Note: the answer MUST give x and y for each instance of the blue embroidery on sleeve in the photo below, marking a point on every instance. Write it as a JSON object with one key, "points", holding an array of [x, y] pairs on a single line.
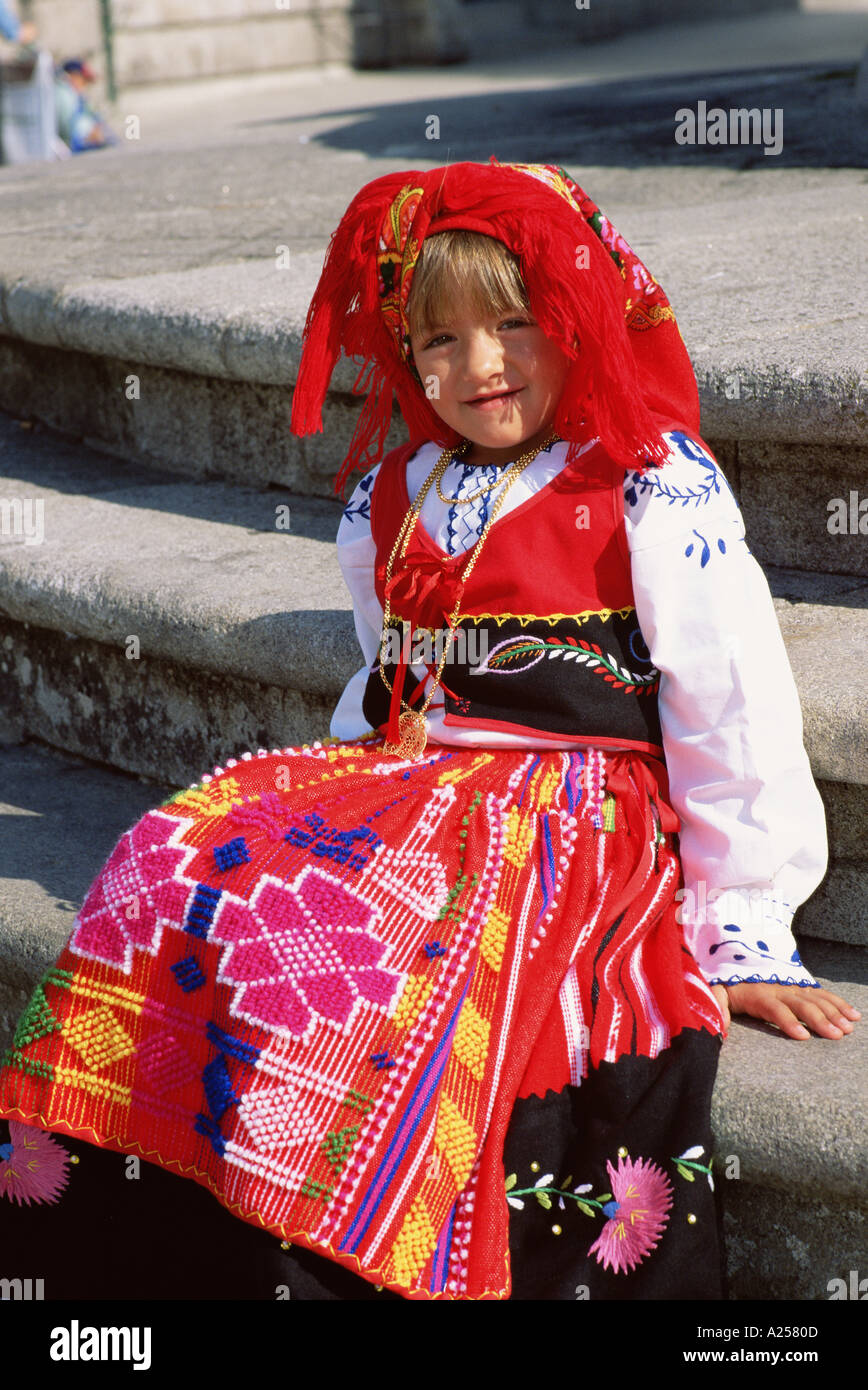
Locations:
{"points": [[705, 553], [362, 507], [655, 480], [658, 482]]}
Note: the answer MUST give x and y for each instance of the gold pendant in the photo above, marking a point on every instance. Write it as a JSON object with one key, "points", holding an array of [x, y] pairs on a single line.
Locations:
{"points": [[413, 736]]}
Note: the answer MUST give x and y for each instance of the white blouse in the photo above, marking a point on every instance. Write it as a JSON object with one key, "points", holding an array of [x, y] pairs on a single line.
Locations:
{"points": [[753, 830]]}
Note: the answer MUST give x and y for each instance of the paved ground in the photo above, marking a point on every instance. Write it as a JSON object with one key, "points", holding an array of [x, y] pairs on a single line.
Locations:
{"points": [[507, 57]]}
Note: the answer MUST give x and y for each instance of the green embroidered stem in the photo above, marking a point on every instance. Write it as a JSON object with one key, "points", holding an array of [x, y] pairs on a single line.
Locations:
{"points": [[558, 1192], [450, 908], [682, 1163]]}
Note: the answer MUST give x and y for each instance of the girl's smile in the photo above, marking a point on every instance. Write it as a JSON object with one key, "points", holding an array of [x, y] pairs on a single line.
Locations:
{"points": [[487, 402], [496, 380]]}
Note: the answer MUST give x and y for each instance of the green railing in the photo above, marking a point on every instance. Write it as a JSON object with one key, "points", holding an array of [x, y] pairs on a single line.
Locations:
{"points": [[107, 20]]}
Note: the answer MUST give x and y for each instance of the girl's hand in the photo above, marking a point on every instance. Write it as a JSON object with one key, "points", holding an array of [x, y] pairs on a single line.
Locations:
{"points": [[824, 1013]]}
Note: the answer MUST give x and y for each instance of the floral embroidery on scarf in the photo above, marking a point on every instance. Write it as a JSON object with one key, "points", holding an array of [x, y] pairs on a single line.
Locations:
{"points": [[637, 1214]]}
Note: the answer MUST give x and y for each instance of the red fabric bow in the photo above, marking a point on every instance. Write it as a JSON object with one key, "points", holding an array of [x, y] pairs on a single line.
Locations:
{"points": [[426, 590]]}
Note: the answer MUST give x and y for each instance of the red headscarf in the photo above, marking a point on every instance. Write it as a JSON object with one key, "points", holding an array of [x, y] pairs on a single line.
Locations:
{"points": [[630, 376]]}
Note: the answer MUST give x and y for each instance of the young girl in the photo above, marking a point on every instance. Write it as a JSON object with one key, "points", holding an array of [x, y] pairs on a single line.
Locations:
{"points": [[435, 1008]]}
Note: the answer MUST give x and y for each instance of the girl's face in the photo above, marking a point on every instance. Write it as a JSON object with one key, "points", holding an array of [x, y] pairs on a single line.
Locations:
{"points": [[496, 380]]}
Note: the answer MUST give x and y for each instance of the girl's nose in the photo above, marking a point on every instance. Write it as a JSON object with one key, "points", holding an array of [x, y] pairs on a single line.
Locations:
{"points": [[483, 354]]}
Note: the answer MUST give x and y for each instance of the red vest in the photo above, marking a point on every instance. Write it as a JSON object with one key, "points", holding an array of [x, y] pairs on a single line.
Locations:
{"points": [[562, 655]]}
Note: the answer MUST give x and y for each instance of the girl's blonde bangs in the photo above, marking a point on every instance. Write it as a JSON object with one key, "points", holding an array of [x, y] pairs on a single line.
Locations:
{"points": [[463, 267]]}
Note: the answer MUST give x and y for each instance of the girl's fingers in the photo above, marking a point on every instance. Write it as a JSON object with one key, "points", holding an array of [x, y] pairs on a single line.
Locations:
{"points": [[765, 1002], [848, 1010], [834, 1009], [795, 1010], [775, 1010], [814, 1016]]}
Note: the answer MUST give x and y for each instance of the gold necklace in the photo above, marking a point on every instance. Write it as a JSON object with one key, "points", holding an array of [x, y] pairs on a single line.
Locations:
{"points": [[412, 724], [471, 496]]}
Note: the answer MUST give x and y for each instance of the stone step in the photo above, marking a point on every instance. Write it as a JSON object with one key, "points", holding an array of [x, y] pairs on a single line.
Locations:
{"points": [[795, 1119], [190, 41], [590, 25], [62, 816], [165, 624], [160, 622], [211, 399], [190, 367], [789, 1118]]}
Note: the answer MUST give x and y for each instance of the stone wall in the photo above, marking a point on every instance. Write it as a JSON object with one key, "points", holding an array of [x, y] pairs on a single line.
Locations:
{"points": [[167, 41]]}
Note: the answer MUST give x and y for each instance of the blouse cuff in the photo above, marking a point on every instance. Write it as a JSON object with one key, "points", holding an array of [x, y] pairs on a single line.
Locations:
{"points": [[743, 936]]}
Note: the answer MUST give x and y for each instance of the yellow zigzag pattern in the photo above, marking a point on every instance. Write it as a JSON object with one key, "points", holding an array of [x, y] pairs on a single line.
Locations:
{"points": [[455, 1138], [519, 834], [215, 800], [98, 1037]]}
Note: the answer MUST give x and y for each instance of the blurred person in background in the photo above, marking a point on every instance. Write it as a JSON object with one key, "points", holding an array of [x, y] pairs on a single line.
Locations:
{"points": [[27, 120], [78, 125]]}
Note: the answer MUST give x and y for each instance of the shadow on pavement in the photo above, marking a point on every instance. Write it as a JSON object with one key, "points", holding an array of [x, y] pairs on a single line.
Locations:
{"points": [[630, 124]]}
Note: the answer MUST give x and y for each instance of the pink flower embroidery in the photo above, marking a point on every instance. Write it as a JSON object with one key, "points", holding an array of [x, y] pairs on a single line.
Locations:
{"points": [[637, 1214], [301, 949], [135, 895], [33, 1166]]}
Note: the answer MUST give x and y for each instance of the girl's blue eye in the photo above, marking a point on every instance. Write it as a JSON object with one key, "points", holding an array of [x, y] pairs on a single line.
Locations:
{"points": [[506, 323], [432, 342]]}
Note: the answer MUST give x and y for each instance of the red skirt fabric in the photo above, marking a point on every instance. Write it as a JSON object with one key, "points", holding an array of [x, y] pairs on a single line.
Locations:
{"points": [[319, 982]]}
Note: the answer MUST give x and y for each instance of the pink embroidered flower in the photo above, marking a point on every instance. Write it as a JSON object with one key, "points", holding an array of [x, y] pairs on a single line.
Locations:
{"points": [[135, 895], [642, 1195], [33, 1166], [301, 949]]}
